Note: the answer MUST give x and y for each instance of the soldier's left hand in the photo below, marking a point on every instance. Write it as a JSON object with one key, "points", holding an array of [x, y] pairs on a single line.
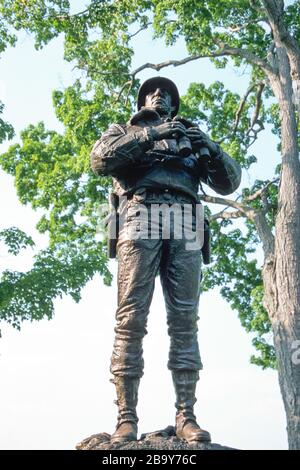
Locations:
{"points": [[200, 139]]}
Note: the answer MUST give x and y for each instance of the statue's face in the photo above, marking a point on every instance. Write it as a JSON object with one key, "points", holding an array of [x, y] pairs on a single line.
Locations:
{"points": [[159, 99]]}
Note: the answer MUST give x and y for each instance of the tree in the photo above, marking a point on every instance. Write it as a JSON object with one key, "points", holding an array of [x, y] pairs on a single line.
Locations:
{"points": [[52, 171], [13, 238]]}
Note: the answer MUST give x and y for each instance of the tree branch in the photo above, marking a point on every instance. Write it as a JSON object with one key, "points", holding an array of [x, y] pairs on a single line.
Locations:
{"points": [[240, 108], [258, 104], [68, 17], [129, 82], [225, 202], [254, 120], [252, 131], [236, 29], [223, 51], [142, 28], [255, 5], [227, 215], [275, 13], [261, 191], [167, 63], [257, 216]]}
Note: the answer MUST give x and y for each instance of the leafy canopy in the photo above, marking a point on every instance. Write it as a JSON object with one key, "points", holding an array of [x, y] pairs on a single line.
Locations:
{"points": [[51, 170]]}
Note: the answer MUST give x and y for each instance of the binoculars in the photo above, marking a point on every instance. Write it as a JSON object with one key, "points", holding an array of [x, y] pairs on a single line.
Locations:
{"points": [[185, 145]]}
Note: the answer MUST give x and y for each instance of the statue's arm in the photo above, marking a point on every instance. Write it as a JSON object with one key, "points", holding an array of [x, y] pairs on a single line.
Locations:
{"points": [[117, 149], [221, 173]]}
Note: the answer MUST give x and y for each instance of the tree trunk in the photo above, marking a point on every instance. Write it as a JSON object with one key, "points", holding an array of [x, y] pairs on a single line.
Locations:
{"points": [[281, 273]]}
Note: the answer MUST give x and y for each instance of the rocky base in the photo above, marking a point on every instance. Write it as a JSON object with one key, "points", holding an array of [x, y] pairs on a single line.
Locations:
{"points": [[164, 439]]}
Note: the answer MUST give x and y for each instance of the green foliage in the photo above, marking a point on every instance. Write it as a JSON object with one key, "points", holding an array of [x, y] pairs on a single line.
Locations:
{"points": [[6, 130], [55, 272], [15, 240], [260, 324], [6, 37], [215, 107], [38, 17], [52, 172], [204, 25]]}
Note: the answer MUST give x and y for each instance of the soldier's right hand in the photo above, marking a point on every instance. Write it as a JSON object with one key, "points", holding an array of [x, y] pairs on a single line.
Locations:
{"points": [[167, 130]]}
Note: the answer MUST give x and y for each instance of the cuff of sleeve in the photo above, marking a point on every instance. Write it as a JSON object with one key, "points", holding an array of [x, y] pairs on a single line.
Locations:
{"points": [[217, 158]]}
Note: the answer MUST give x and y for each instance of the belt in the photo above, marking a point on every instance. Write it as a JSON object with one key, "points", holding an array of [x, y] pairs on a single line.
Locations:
{"points": [[167, 194]]}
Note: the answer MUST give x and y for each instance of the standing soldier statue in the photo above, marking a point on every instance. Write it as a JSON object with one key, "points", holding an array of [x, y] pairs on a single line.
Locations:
{"points": [[159, 158]]}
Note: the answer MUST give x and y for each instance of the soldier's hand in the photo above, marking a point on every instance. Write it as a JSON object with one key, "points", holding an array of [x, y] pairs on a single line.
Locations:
{"points": [[168, 130], [200, 139]]}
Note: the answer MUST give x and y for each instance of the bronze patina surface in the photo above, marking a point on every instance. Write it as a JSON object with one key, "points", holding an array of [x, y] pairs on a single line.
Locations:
{"points": [[159, 158]]}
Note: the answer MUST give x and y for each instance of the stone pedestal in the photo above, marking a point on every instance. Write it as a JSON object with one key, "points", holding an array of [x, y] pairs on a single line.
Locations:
{"points": [[164, 439]]}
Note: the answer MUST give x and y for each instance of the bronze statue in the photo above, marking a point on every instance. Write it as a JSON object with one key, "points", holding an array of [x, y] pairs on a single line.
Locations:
{"points": [[159, 158]]}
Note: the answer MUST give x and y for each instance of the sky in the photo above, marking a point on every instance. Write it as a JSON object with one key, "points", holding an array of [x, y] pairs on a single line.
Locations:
{"points": [[55, 388]]}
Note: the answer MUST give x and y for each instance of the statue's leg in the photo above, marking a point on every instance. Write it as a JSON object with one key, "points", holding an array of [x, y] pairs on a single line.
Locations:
{"points": [[138, 264], [181, 277], [180, 273]]}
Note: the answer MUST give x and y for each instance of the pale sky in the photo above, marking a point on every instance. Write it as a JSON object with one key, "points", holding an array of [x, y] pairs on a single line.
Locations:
{"points": [[55, 387]]}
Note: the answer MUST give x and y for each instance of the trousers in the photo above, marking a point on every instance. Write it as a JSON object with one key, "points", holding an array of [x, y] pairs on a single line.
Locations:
{"points": [[139, 261]]}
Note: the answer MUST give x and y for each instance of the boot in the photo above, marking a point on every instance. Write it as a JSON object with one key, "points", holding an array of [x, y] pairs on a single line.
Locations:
{"points": [[127, 396], [186, 425]]}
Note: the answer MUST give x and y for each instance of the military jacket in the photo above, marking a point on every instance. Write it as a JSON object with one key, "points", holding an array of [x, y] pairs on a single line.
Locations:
{"points": [[128, 153]]}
